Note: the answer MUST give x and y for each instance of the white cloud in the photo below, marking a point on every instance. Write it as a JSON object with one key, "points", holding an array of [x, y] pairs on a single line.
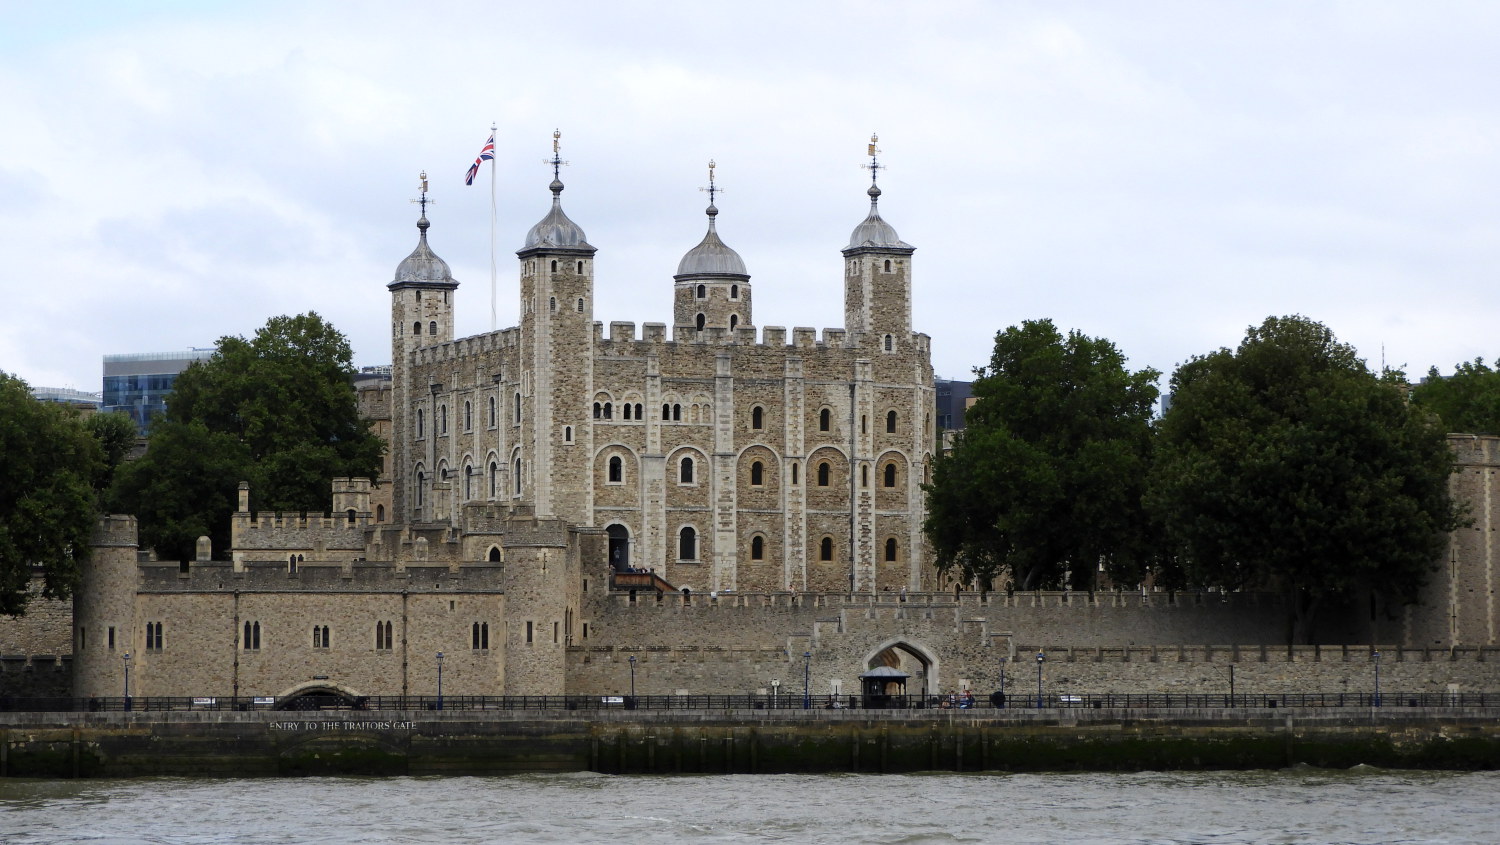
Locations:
{"points": [[1162, 174]]}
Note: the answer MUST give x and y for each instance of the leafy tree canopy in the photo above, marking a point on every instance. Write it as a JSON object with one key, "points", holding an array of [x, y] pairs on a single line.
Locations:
{"points": [[1467, 401], [1045, 480], [277, 410], [1286, 464], [48, 465]]}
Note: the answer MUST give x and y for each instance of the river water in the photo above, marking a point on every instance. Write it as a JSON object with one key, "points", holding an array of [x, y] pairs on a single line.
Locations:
{"points": [[1303, 806]]}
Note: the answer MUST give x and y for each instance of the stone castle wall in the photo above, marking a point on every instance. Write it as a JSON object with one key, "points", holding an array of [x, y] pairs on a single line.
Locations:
{"points": [[1253, 670]]}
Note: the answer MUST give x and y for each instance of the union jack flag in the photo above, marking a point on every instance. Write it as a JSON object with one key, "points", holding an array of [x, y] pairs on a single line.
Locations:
{"points": [[486, 154]]}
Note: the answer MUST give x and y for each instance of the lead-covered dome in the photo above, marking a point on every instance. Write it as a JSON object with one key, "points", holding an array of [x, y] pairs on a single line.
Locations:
{"points": [[711, 257], [556, 231], [423, 265], [874, 232]]}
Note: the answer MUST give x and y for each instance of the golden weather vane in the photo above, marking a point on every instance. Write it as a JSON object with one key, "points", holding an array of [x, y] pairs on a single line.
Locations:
{"points": [[873, 152], [711, 189], [424, 201], [556, 160]]}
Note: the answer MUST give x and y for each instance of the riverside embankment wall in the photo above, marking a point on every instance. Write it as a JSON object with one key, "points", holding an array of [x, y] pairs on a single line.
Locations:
{"points": [[265, 743]]}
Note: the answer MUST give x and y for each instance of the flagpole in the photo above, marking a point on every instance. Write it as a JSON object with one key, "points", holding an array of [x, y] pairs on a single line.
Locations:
{"points": [[492, 235]]}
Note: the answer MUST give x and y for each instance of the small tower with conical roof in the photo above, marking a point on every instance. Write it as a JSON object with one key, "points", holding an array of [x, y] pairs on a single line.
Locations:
{"points": [[422, 295], [712, 288], [557, 324], [877, 275]]}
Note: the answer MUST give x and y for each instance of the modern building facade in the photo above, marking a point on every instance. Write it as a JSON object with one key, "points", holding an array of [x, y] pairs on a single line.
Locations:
{"points": [[138, 383]]}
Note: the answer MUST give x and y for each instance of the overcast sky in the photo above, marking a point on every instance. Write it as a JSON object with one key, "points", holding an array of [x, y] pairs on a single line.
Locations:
{"points": [[1160, 174]]}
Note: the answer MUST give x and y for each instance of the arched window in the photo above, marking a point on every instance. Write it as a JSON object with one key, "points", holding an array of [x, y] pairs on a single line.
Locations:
{"points": [[825, 419], [702, 293], [825, 549], [616, 469], [888, 265], [890, 343], [676, 413], [552, 304], [625, 410], [567, 434], [823, 470], [700, 322], [580, 302], [757, 548], [734, 291], [419, 422], [609, 410], [468, 482], [492, 412], [734, 320], [640, 411], [890, 475], [494, 554], [494, 478], [890, 549], [380, 513], [687, 544], [580, 267], [350, 514], [468, 415], [416, 329], [757, 418], [685, 473], [757, 474], [518, 476], [442, 419], [666, 412], [598, 410], [432, 327], [518, 408], [890, 422], [554, 266], [421, 485]]}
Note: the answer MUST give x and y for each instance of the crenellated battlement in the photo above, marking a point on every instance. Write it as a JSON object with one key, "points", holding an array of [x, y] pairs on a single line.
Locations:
{"points": [[622, 340], [968, 601], [464, 347], [320, 577], [114, 530]]}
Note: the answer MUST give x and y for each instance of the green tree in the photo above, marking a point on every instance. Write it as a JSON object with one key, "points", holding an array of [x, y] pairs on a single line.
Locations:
{"points": [[1467, 401], [1045, 481], [1286, 464], [48, 464], [115, 433], [277, 410]]}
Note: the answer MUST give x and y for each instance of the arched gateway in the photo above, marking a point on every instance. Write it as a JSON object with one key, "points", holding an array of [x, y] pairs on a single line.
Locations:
{"points": [[916, 661], [320, 695]]}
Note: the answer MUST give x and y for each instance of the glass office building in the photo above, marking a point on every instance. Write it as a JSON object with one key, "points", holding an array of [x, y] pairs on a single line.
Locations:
{"points": [[67, 396], [138, 383]]}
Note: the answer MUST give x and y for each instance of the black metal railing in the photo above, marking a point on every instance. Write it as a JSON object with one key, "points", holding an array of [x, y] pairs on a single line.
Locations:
{"points": [[1012, 701]]}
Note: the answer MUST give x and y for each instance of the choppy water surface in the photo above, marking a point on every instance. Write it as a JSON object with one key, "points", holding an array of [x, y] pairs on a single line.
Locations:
{"points": [[1359, 807]]}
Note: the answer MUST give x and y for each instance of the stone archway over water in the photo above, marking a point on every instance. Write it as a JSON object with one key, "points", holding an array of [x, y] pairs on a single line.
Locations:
{"points": [[319, 695]]}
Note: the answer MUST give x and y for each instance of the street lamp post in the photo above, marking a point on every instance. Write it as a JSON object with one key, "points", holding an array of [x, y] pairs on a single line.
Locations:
{"points": [[775, 693], [126, 658], [1377, 679], [1001, 702], [1040, 659], [806, 680], [632, 680], [440, 681]]}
